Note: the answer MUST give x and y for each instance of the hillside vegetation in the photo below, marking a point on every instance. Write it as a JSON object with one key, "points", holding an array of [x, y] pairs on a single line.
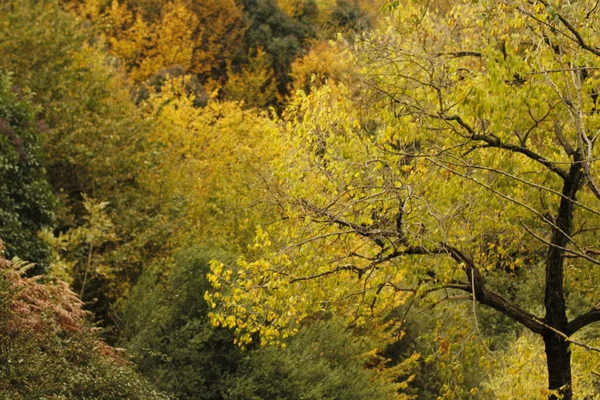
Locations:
{"points": [[299, 199]]}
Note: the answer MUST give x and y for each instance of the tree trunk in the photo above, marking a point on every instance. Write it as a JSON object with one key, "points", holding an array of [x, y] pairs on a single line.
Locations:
{"points": [[558, 359]]}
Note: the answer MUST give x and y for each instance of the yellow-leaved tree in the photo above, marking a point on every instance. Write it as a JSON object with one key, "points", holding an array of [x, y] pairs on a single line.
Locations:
{"points": [[462, 155], [200, 37], [146, 48], [255, 84], [209, 165]]}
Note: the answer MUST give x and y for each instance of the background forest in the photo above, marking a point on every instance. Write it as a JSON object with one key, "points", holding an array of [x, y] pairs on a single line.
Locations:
{"points": [[299, 199]]}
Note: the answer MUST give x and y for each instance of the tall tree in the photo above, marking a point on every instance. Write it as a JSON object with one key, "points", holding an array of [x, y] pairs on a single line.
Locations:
{"points": [[466, 156]]}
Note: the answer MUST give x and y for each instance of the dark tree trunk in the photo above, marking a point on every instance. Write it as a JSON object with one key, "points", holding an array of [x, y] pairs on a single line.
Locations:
{"points": [[558, 359]]}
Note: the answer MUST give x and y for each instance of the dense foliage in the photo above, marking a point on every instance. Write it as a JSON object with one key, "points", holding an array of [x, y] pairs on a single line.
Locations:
{"points": [[48, 350], [459, 153], [286, 199], [26, 201], [176, 347]]}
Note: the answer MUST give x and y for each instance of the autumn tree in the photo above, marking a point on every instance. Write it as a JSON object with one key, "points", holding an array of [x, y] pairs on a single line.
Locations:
{"points": [[255, 84], [461, 155], [200, 37], [90, 122], [208, 167], [94, 142]]}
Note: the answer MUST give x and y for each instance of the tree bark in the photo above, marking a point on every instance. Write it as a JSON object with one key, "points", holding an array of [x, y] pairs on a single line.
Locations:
{"points": [[558, 356], [558, 359]]}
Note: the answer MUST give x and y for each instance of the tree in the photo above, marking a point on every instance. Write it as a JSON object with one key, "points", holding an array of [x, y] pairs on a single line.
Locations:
{"points": [[255, 84], [76, 257], [208, 167], [462, 155], [26, 200], [93, 129], [282, 37], [146, 47], [200, 37]]}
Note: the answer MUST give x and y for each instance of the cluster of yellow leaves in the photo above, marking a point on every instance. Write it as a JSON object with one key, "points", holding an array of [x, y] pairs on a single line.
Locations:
{"points": [[324, 61], [147, 48], [255, 85], [211, 163], [199, 37]]}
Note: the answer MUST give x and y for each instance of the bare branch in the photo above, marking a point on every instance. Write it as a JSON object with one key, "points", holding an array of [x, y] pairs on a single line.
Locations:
{"points": [[561, 70], [459, 163], [581, 254], [568, 339], [457, 54], [544, 218], [348, 267]]}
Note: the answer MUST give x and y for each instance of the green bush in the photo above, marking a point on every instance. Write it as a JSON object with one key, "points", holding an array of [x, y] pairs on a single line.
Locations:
{"points": [[168, 331], [26, 201], [321, 362]]}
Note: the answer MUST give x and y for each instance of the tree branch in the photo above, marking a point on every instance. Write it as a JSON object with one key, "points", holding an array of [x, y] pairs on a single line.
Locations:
{"points": [[492, 299], [578, 38], [583, 320], [458, 54], [492, 141]]}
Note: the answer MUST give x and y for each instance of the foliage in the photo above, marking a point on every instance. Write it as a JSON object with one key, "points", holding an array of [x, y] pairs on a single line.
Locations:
{"points": [[168, 331], [48, 350], [432, 183], [321, 362], [209, 167], [466, 158], [95, 142], [282, 37], [200, 37], [147, 48], [94, 133], [26, 201], [348, 14], [522, 371], [454, 357], [323, 62], [255, 84], [76, 255], [176, 347]]}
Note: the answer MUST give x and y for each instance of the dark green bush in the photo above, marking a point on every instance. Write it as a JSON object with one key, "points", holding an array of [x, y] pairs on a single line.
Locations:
{"points": [[26, 201]]}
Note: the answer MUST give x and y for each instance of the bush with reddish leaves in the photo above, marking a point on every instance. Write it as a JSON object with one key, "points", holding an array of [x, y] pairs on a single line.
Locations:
{"points": [[49, 350]]}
